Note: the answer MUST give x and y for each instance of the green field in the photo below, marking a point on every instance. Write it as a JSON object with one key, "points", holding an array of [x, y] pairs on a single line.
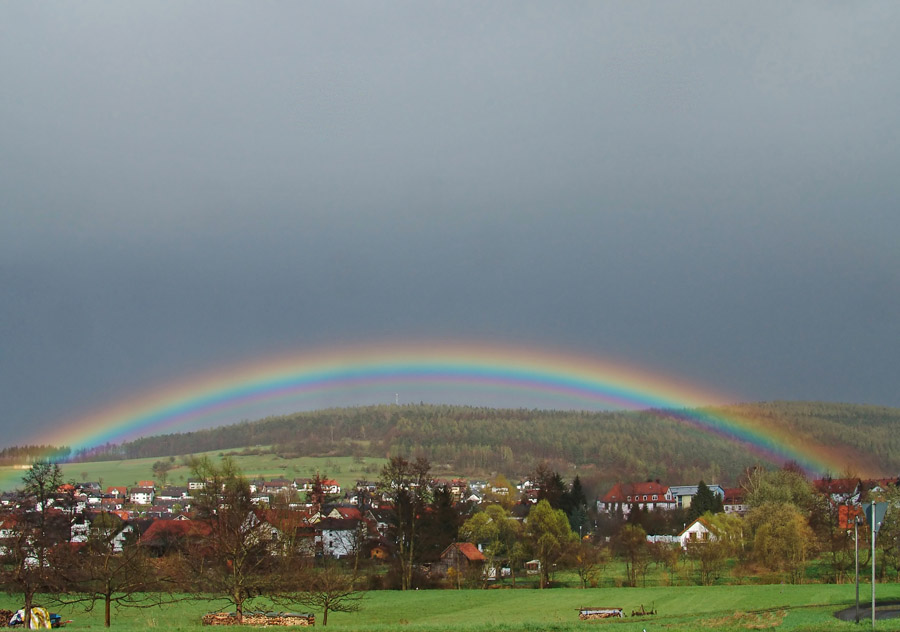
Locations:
{"points": [[782, 607], [345, 470]]}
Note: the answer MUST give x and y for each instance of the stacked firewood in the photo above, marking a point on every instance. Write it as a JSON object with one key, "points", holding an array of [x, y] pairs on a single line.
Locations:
{"points": [[259, 618], [586, 614], [5, 616]]}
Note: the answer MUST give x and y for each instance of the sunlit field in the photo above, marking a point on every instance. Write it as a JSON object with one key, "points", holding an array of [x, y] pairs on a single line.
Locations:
{"points": [[346, 470], [781, 607]]}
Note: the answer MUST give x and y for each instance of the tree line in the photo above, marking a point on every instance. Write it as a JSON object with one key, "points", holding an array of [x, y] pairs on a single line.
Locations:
{"points": [[624, 445]]}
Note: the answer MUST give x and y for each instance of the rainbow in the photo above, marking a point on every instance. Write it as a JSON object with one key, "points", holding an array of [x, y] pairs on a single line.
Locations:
{"points": [[377, 373]]}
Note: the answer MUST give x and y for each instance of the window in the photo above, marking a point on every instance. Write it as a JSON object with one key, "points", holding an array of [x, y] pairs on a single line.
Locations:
{"points": [[645, 496], [655, 497]]}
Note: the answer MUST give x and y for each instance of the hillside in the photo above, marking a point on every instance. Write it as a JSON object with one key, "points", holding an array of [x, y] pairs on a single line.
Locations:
{"points": [[601, 446]]}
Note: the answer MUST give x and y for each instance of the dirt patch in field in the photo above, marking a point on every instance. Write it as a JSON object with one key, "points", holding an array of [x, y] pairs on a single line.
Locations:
{"points": [[747, 620]]}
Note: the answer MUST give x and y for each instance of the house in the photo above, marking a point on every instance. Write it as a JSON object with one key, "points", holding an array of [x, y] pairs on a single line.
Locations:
{"points": [[461, 558], [840, 491], [345, 513], [684, 494], [382, 518], [341, 537], [141, 495], [117, 492], [734, 501], [698, 531], [173, 493], [646, 496], [111, 504], [166, 536], [876, 489]]}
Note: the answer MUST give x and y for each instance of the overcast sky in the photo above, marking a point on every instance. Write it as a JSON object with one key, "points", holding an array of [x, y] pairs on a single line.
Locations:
{"points": [[709, 190]]}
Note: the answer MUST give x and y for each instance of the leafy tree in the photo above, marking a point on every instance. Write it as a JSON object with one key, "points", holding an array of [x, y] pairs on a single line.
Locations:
{"points": [[670, 555], [782, 538], [589, 561], [161, 471], [550, 536], [574, 503], [779, 486], [832, 521], [550, 484], [500, 482], [725, 541], [705, 501], [500, 536], [631, 545]]}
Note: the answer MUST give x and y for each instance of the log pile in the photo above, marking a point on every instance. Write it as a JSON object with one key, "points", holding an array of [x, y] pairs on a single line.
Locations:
{"points": [[586, 614], [5, 616], [259, 618]]}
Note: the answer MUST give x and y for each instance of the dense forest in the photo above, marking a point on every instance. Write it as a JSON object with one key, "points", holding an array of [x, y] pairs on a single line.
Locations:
{"points": [[17, 454], [603, 446]]}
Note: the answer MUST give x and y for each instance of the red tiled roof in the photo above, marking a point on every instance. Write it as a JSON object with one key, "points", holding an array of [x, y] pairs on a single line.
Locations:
{"points": [[167, 530], [734, 496], [837, 485], [621, 491], [350, 512], [468, 549]]}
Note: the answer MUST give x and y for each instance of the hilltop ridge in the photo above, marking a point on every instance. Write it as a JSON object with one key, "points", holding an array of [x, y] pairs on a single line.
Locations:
{"points": [[604, 446]]}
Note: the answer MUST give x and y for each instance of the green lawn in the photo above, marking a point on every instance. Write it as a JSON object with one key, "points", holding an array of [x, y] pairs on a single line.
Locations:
{"points": [[796, 608], [345, 469]]}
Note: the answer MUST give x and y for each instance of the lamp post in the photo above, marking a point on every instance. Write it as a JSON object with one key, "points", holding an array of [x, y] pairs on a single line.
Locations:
{"points": [[856, 522], [875, 514]]}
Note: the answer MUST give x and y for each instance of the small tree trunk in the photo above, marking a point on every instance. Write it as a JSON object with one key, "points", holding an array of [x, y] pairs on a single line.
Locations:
{"points": [[28, 604], [106, 618]]}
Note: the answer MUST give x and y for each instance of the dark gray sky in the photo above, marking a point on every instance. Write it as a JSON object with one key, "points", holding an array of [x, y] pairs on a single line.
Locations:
{"points": [[707, 189]]}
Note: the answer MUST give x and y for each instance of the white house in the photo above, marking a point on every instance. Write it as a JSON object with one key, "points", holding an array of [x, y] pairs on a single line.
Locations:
{"points": [[698, 531], [340, 536], [141, 495]]}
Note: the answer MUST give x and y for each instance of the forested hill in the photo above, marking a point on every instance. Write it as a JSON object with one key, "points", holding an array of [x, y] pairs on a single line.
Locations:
{"points": [[616, 445]]}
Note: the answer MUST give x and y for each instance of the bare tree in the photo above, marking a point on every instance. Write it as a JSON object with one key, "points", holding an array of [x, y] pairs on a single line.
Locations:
{"points": [[408, 485], [234, 563], [103, 570], [329, 589], [32, 531]]}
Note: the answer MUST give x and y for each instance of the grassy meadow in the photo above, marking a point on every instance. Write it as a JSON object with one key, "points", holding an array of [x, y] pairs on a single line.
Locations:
{"points": [[774, 607], [345, 469]]}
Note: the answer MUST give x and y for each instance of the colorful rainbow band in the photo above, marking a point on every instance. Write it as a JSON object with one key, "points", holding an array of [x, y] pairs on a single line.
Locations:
{"points": [[373, 374]]}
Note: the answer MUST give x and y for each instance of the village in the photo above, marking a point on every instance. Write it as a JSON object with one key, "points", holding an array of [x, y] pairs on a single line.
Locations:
{"points": [[332, 522]]}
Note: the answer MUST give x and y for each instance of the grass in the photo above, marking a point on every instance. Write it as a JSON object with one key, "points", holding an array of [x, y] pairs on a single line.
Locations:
{"points": [[689, 608], [345, 469]]}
